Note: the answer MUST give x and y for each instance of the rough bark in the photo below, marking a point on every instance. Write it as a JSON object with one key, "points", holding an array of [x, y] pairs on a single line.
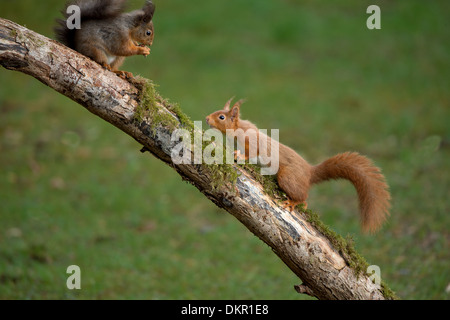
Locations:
{"points": [[325, 272]]}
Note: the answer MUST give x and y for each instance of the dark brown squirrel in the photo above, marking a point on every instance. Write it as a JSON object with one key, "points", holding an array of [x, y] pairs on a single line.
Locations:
{"points": [[295, 175], [107, 34]]}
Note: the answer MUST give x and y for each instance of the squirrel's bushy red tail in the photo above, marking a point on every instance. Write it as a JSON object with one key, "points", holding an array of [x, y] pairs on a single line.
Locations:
{"points": [[89, 10], [368, 180]]}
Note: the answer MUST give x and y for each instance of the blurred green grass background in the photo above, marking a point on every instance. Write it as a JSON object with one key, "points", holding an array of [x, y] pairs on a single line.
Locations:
{"points": [[75, 190]]}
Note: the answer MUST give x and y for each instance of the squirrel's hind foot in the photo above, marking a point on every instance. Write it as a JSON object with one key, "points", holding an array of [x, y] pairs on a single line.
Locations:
{"points": [[106, 66], [291, 204], [124, 74]]}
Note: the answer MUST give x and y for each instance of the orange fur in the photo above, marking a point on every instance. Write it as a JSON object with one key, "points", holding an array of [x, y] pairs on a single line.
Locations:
{"points": [[296, 176]]}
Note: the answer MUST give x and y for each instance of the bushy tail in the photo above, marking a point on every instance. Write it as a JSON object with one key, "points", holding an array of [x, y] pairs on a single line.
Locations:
{"points": [[368, 180], [89, 10]]}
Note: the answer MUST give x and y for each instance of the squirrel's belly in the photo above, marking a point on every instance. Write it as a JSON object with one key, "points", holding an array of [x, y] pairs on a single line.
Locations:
{"points": [[111, 58]]}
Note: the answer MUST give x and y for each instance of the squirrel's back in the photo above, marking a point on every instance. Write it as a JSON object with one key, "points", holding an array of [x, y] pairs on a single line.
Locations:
{"points": [[89, 10]]}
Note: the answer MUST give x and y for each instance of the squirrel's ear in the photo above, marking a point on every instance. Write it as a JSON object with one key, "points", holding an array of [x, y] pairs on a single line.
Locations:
{"points": [[149, 10], [228, 104], [239, 103], [236, 108], [234, 113]]}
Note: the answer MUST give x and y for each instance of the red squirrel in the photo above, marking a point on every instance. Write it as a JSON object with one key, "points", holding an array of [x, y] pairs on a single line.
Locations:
{"points": [[295, 175], [107, 35]]}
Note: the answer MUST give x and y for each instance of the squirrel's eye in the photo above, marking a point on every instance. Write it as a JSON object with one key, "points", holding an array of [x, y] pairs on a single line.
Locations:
{"points": [[222, 117], [149, 33]]}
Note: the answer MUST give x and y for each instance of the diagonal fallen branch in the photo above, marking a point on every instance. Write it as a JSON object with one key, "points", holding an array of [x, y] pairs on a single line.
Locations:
{"points": [[327, 265]]}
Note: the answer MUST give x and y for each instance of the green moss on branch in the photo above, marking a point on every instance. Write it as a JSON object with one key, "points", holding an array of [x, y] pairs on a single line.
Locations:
{"points": [[152, 107]]}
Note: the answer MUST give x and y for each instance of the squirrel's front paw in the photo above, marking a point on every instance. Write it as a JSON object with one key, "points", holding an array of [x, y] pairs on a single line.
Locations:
{"points": [[145, 51]]}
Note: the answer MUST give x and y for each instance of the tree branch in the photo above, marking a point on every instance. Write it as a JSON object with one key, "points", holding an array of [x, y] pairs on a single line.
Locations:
{"points": [[302, 289], [325, 267]]}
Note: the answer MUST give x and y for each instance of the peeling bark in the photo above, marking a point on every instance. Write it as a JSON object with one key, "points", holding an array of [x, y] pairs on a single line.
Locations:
{"points": [[325, 273]]}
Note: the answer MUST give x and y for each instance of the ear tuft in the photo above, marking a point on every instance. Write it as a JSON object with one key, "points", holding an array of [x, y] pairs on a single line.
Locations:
{"points": [[239, 103], [228, 104], [149, 10]]}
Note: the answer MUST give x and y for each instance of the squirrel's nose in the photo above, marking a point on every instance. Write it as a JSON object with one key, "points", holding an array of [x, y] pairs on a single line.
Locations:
{"points": [[207, 119]]}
